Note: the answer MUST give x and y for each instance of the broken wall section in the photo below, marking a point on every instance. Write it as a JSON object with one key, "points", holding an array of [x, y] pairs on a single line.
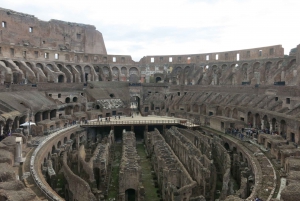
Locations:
{"points": [[173, 179]]}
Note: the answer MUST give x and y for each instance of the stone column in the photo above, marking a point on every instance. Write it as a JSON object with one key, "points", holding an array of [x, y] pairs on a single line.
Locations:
{"points": [[254, 121], [262, 124], [41, 116], [18, 157], [271, 126], [1, 129]]}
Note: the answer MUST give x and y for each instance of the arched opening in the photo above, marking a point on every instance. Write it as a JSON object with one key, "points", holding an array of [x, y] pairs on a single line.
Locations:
{"points": [[227, 112], [266, 122], [87, 73], [124, 71], [61, 79], [72, 136], [79, 69], [274, 124], [130, 195], [68, 100], [75, 99], [58, 144], [203, 109], [67, 194], [158, 79], [283, 128], [76, 108], [115, 74], [227, 147], [97, 177], [235, 113], [65, 140], [257, 121], [219, 111], [53, 149], [45, 115], [250, 119], [52, 114], [106, 72]]}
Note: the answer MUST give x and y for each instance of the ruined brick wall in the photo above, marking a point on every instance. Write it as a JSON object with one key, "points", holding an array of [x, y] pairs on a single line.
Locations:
{"points": [[28, 31], [130, 170], [173, 179], [77, 186], [223, 163], [86, 168], [198, 165]]}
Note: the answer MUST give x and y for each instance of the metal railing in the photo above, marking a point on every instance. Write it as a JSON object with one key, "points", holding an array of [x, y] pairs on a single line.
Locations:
{"points": [[135, 122], [34, 173]]}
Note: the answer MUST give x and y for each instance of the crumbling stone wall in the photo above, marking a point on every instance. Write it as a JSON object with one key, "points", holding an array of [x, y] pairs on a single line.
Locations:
{"points": [[199, 166], [80, 189], [130, 170], [174, 180]]}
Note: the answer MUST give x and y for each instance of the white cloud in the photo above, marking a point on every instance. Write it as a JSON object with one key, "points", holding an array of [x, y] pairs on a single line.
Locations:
{"points": [[241, 24]]}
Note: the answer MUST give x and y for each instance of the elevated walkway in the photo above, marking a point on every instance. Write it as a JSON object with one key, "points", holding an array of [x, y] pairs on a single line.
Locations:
{"points": [[139, 120]]}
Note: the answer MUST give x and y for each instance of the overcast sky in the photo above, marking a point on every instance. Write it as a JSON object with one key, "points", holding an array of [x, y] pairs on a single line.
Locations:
{"points": [[163, 27]]}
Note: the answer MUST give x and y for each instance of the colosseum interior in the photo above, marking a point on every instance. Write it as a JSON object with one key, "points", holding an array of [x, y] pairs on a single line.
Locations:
{"points": [[78, 124]]}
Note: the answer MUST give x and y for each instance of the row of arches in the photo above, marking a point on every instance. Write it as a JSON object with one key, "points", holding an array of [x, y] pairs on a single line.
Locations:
{"points": [[17, 72], [259, 72]]}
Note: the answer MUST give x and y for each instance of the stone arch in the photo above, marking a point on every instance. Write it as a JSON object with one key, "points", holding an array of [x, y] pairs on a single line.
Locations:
{"points": [[279, 64], [291, 63], [227, 112], [274, 124], [107, 73], [124, 71], [61, 79], [158, 79], [65, 140], [235, 113], [267, 71], [67, 72], [250, 118], [186, 79], [68, 100], [133, 70], [219, 110], [115, 73], [257, 121], [283, 128], [226, 145], [79, 69], [72, 136], [76, 108], [131, 194], [203, 109], [53, 149], [50, 67], [224, 66], [99, 72], [87, 73], [245, 75], [266, 122], [175, 77]]}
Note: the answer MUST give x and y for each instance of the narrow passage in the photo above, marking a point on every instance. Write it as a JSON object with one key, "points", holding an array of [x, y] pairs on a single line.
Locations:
{"points": [[113, 189], [147, 178]]}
